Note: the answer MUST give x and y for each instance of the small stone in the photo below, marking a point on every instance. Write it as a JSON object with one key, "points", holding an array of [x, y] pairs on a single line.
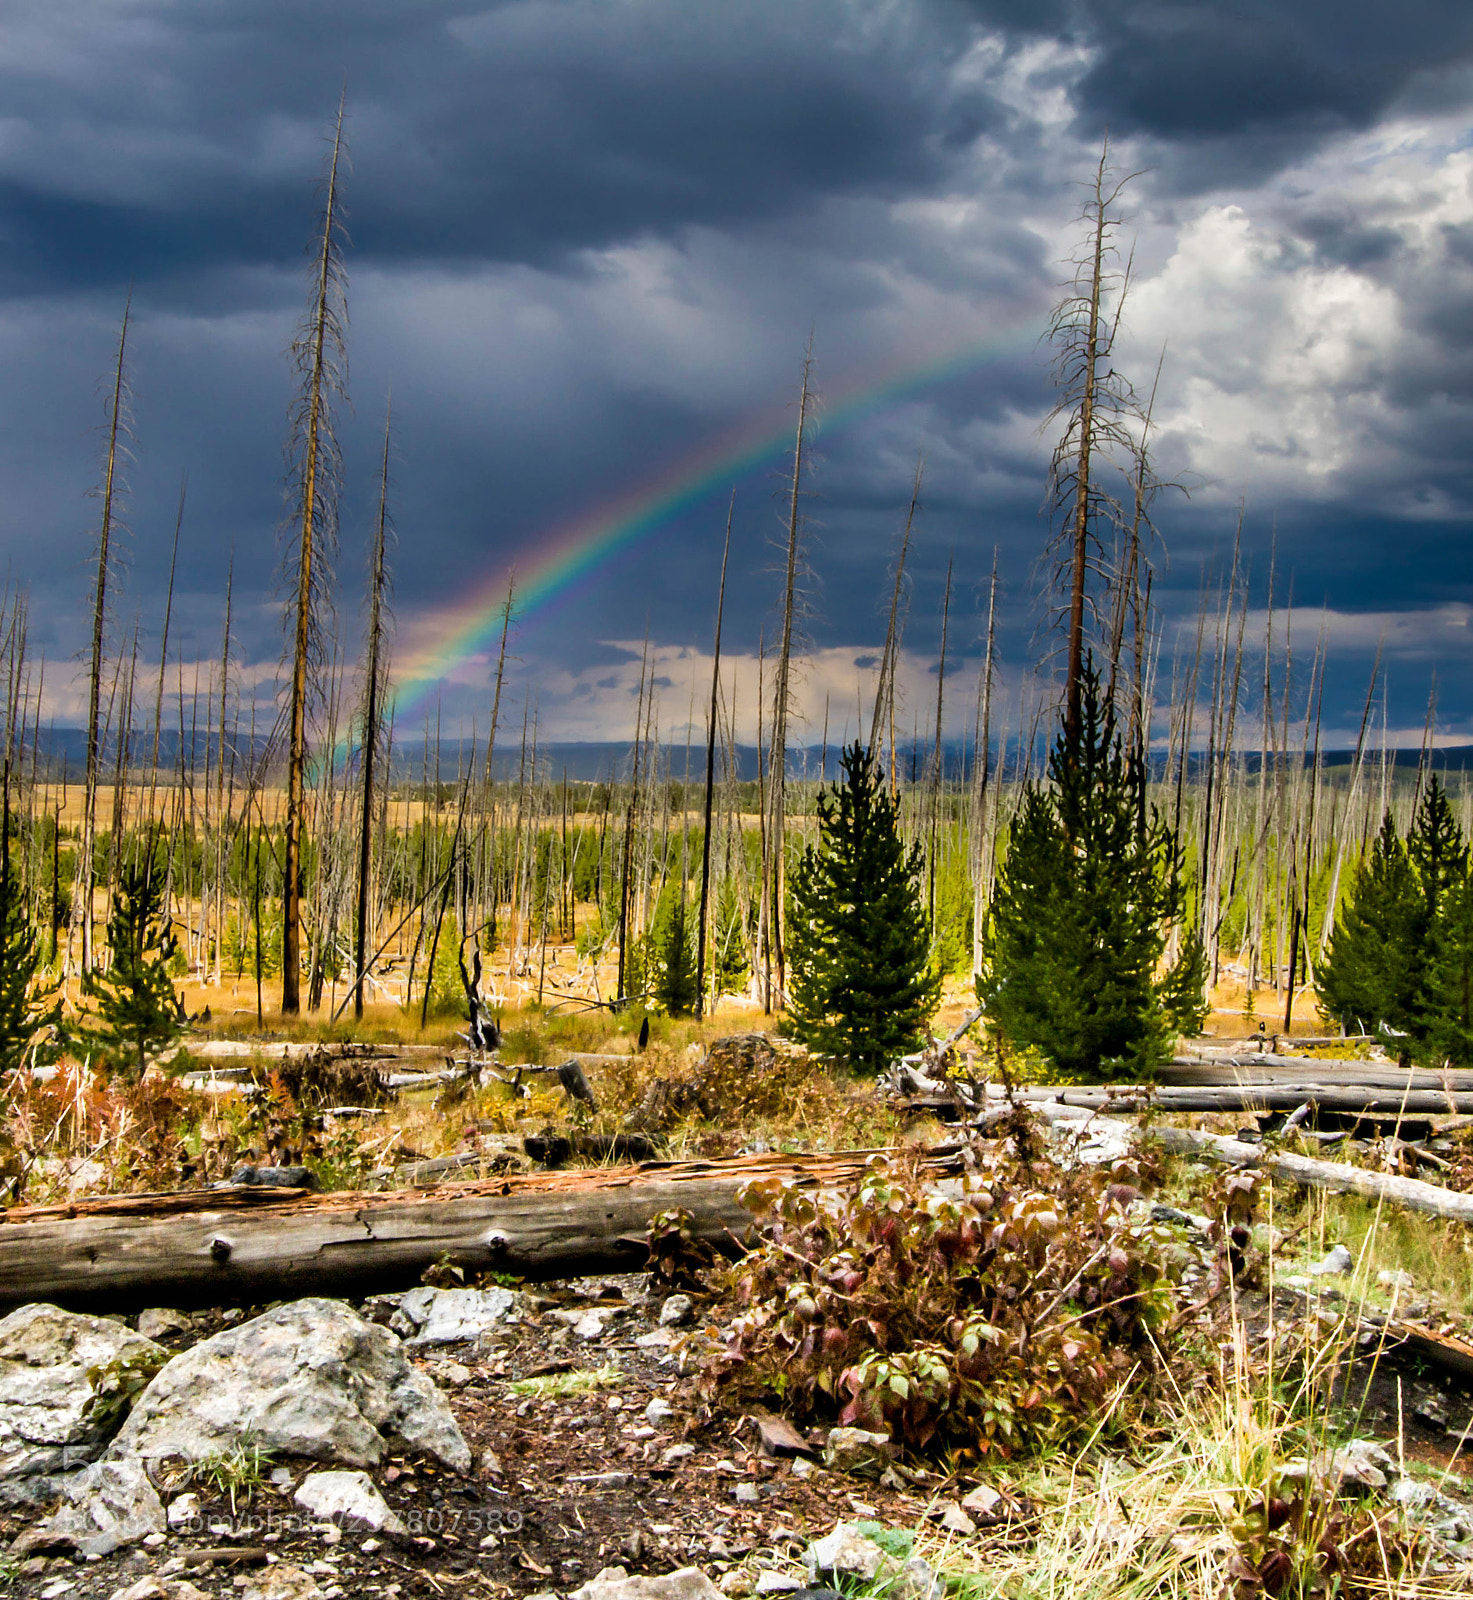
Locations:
{"points": [[634, 1545], [281, 1582], [845, 1553], [689, 1583], [769, 1582], [158, 1323], [658, 1411], [490, 1542], [371, 1547], [655, 1339], [1361, 1464], [985, 1503], [452, 1375], [428, 1316], [955, 1520], [1338, 1260], [1412, 1493], [917, 1581], [1396, 1279], [802, 1467], [677, 1452], [677, 1310], [735, 1584], [745, 1494], [857, 1450], [183, 1510]]}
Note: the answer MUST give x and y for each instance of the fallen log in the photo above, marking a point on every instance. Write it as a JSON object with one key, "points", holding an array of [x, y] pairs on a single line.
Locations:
{"points": [[249, 1245], [1200, 1070], [1272, 1095], [1413, 1193]]}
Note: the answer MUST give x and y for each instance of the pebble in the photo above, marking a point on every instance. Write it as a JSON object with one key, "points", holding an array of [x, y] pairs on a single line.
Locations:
{"points": [[677, 1310], [658, 1411], [677, 1452], [745, 1494]]}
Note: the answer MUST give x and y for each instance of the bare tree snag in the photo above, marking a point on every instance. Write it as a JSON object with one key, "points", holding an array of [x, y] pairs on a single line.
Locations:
{"points": [[319, 354], [111, 485]]}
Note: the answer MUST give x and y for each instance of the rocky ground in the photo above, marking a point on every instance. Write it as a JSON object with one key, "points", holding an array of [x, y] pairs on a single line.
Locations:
{"points": [[582, 1449], [506, 1440]]}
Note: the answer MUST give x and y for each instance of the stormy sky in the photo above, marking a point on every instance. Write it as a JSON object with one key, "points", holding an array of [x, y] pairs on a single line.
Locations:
{"points": [[589, 241]]}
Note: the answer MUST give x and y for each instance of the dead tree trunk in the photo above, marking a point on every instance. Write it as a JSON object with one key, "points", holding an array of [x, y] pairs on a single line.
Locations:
{"points": [[227, 1246]]}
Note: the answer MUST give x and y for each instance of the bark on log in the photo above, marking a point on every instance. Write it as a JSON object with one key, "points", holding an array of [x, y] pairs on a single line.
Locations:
{"points": [[245, 1246], [1267, 1096], [1205, 1070], [1411, 1192]]}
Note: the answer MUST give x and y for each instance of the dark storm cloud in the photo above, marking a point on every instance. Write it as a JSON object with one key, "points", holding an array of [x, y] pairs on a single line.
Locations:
{"points": [[1228, 90], [590, 237], [503, 132]]}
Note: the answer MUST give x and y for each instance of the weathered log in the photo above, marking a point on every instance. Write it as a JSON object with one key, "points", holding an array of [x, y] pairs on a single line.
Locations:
{"points": [[245, 1246], [1200, 1070], [1366, 1100], [1410, 1192]]}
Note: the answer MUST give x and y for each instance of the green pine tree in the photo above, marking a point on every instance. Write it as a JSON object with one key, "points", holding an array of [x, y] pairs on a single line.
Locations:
{"points": [[136, 1005], [1086, 894], [1447, 1033], [675, 955], [28, 1007], [1372, 970], [862, 988], [729, 965]]}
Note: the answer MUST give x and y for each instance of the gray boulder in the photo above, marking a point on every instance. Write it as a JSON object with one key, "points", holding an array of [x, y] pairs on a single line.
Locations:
{"points": [[307, 1379], [45, 1355], [104, 1507]]}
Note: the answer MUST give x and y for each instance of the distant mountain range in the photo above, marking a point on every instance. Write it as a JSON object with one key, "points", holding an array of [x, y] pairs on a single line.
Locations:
{"points": [[63, 752]]}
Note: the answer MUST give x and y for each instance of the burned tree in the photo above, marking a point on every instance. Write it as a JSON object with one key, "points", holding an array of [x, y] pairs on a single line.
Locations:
{"points": [[315, 467]]}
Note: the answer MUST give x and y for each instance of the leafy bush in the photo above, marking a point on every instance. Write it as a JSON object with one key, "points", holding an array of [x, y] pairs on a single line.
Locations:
{"points": [[1005, 1319]]}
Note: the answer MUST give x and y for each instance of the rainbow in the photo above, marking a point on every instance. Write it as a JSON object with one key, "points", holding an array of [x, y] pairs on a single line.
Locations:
{"points": [[559, 559]]}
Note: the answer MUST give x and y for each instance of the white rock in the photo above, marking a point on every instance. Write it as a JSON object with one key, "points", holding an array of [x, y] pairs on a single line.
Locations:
{"points": [[770, 1582], [955, 1520], [677, 1452], [446, 1316], [45, 1354], [656, 1339], [183, 1509], [281, 1582], [1360, 1464], [657, 1411], [104, 1507], [689, 1583], [677, 1310], [307, 1379], [1413, 1494], [348, 1499], [985, 1502], [158, 1321], [154, 1588], [917, 1581], [1396, 1280], [845, 1553], [452, 1375], [856, 1450], [1337, 1260]]}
